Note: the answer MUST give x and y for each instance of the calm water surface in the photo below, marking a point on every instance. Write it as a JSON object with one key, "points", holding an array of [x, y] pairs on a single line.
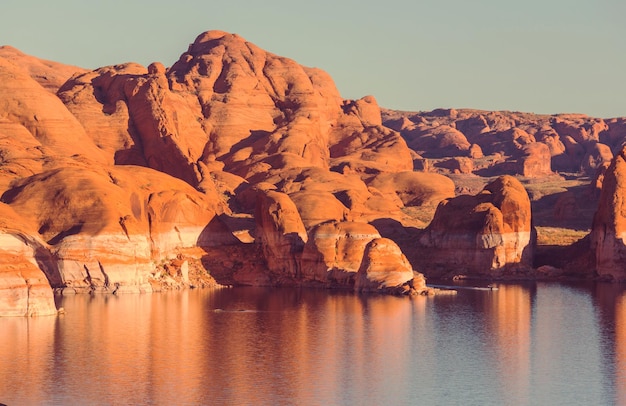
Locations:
{"points": [[537, 344]]}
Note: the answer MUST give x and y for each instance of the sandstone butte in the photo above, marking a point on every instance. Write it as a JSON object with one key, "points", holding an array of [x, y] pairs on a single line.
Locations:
{"points": [[483, 233], [608, 234], [235, 166]]}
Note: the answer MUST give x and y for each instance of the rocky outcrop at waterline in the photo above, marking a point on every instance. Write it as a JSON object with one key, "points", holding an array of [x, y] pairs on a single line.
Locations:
{"points": [[484, 233], [24, 279], [336, 254]]}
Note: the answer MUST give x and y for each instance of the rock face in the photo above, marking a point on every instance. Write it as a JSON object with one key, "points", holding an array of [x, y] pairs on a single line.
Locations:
{"points": [[129, 176], [534, 161], [114, 226], [414, 188], [354, 256], [24, 288], [50, 75], [482, 234], [384, 266], [334, 254], [609, 224], [281, 233], [24, 281], [335, 251]]}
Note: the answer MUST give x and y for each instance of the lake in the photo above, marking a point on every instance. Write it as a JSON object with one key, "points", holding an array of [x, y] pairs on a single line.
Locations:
{"points": [[530, 344]]}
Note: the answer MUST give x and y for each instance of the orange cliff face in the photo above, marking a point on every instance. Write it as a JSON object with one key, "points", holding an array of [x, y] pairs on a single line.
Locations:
{"points": [[482, 234], [112, 175], [24, 283], [119, 170], [336, 254], [114, 223], [609, 224]]}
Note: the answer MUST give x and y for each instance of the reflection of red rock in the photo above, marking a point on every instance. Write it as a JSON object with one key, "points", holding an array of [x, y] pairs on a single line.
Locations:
{"points": [[620, 348], [511, 319], [484, 233]]}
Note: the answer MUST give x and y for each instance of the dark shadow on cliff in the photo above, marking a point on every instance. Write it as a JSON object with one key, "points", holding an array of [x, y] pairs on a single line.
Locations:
{"points": [[573, 208], [229, 259], [406, 237]]}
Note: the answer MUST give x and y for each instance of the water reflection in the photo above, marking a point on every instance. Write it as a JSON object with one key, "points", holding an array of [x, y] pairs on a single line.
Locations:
{"points": [[610, 300], [522, 344], [26, 349], [510, 313]]}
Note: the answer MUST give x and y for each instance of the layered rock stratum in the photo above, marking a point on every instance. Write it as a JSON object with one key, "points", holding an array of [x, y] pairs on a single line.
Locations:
{"points": [[484, 233], [117, 175], [608, 235], [238, 166]]}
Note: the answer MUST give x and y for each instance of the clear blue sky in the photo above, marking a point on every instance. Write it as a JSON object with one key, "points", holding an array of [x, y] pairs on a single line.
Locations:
{"points": [[542, 56]]}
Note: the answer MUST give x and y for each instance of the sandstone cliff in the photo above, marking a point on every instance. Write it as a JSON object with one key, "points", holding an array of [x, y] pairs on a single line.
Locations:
{"points": [[609, 224], [243, 165], [123, 172], [24, 277], [486, 233], [335, 254]]}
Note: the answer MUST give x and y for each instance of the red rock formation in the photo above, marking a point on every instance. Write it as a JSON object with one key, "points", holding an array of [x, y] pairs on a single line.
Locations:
{"points": [[573, 140], [23, 102], [434, 142], [458, 165], [22, 154], [232, 127], [281, 233], [146, 122], [597, 155], [227, 101], [535, 160], [107, 228], [50, 75], [566, 207], [608, 234], [24, 286], [414, 188], [475, 151], [481, 234], [384, 267], [580, 127], [334, 252]]}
